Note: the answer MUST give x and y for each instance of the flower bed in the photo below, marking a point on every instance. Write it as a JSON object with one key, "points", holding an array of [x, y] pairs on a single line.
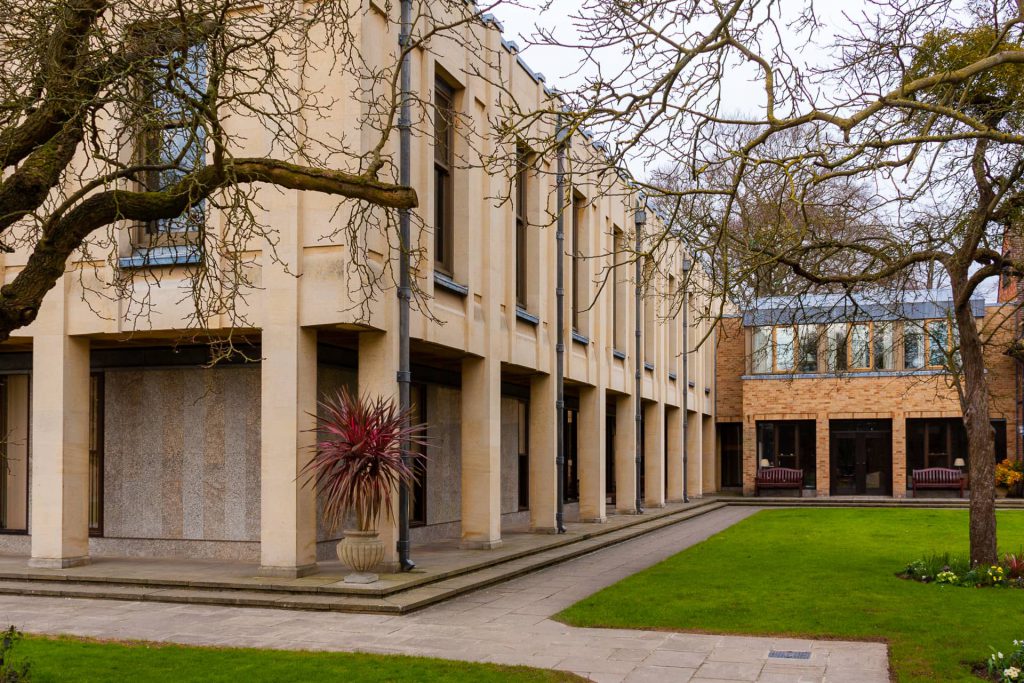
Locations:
{"points": [[1007, 668], [951, 570]]}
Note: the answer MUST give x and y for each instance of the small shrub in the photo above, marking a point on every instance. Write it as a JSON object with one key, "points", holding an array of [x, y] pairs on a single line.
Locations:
{"points": [[9, 671], [1014, 565], [1009, 667], [948, 578]]}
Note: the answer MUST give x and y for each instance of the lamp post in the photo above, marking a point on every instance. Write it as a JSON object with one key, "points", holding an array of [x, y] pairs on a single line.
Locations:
{"points": [[640, 220], [687, 265]]}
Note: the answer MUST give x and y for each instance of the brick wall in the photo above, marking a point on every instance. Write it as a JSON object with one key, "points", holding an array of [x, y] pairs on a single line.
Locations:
{"points": [[893, 398]]}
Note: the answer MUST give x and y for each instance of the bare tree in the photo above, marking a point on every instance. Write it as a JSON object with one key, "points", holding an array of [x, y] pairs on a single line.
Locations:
{"points": [[909, 112], [130, 122]]}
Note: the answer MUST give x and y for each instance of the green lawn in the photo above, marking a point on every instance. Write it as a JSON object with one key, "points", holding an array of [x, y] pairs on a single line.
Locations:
{"points": [[68, 659], [827, 573]]}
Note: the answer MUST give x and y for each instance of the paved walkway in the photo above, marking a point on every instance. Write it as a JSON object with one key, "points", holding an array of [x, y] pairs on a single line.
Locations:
{"points": [[507, 624]]}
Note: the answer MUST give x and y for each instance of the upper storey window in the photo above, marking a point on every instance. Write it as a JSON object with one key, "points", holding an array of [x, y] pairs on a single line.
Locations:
{"points": [[173, 141], [521, 199], [444, 161], [853, 347]]}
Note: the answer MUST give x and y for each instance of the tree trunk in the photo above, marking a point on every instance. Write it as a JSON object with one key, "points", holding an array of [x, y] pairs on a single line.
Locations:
{"points": [[974, 400]]}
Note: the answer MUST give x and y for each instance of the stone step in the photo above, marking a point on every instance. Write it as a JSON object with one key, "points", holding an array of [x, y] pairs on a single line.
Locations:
{"points": [[408, 598]]}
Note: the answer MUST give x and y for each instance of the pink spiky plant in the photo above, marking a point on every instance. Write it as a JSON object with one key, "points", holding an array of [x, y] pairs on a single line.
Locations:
{"points": [[358, 463]]}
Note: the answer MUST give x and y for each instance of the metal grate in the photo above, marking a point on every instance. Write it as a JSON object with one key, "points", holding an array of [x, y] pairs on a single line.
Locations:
{"points": [[789, 654]]}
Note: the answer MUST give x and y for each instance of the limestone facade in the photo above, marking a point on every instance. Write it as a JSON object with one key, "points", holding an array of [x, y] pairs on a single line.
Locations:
{"points": [[135, 445]]}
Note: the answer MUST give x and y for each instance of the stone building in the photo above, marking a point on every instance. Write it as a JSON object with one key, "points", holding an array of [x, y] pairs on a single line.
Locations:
{"points": [[122, 439], [853, 391]]}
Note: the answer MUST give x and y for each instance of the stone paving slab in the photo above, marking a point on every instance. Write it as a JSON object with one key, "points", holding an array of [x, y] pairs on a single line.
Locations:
{"points": [[508, 623]]}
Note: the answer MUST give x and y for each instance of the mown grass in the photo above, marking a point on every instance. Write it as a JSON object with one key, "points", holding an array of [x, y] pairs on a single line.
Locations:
{"points": [[827, 573], [74, 659]]}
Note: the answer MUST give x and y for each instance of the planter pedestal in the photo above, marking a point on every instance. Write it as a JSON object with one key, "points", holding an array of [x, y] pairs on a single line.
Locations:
{"points": [[362, 551]]}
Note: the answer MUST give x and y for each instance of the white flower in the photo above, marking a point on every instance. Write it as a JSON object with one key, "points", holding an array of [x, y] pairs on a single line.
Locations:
{"points": [[1000, 654], [1013, 673]]}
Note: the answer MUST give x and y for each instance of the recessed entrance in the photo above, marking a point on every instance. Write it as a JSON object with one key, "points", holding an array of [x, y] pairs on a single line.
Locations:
{"points": [[861, 457]]}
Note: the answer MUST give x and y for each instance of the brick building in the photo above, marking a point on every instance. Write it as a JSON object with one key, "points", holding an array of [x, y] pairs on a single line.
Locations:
{"points": [[853, 391]]}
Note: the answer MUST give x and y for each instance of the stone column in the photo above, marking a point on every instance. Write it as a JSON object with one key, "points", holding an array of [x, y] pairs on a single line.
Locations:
{"points": [[823, 454], [694, 460], [591, 453], [481, 453], [625, 455], [288, 403], [674, 446], [60, 441], [750, 464], [899, 455], [709, 455], [654, 456], [543, 448], [378, 376]]}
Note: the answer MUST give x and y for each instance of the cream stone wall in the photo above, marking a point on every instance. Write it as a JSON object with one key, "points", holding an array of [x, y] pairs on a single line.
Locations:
{"points": [[310, 297]]}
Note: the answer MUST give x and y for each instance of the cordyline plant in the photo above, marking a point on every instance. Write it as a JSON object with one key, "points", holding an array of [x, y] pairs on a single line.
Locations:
{"points": [[359, 456]]}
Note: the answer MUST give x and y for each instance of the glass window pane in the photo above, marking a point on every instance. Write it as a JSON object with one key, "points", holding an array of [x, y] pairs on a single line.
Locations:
{"points": [[860, 346], [762, 360], [913, 346], [836, 342], [807, 338], [938, 342], [784, 348], [884, 346]]}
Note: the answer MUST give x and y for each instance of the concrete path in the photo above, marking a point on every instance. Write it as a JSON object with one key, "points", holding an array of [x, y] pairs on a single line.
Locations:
{"points": [[507, 624]]}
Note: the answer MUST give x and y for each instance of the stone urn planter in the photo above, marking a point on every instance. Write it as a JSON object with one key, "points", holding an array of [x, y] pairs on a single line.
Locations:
{"points": [[1002, 491], [361, 551], [365, 453]]}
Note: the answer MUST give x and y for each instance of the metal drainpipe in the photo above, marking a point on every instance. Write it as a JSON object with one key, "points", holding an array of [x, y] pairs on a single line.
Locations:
{"points": [[404, 285], [640, 220], [560, 335], [686, 379]]}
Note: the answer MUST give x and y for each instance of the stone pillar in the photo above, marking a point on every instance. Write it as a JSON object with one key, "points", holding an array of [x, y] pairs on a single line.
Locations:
{"points": [[694, 460], [654, 455], [60, 442], [378, 376], [481, 453], [823, 454], [709, 456], [625, 455], [750, 463], [591, 453], [899, 455], [543, 449], [674, 446], [288, 402]]}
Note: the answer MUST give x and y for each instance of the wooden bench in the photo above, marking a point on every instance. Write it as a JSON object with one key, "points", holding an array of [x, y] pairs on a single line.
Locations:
{"points": [[778, 478], [938, 478]]}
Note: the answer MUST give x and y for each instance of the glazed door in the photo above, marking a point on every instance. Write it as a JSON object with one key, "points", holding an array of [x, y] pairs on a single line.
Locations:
{"points": [[861, 458]]}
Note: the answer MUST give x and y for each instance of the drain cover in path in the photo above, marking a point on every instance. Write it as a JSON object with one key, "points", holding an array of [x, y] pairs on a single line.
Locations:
{"points": [[789, 654]]}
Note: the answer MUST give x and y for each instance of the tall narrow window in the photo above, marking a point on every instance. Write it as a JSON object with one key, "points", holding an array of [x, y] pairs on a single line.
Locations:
{"points": [[173, 143], [418, 504], [577, 257], [762, 350], [650, 320], [618, 275], [938, 342], [885, 346], [785, 347], [522, 223], [673, 330], [444, 149], [14, 465], [96, 454], [860, 346], [836, 347], [807, 341], [913, 345]]}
